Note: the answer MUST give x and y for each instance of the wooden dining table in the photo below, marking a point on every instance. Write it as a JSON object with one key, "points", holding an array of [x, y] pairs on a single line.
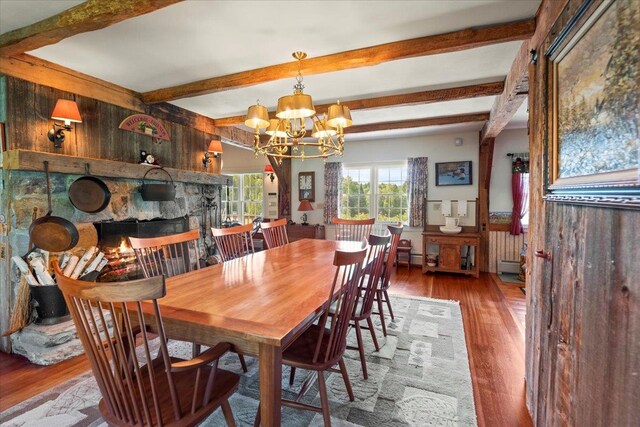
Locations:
{"points": [[259, 303]]}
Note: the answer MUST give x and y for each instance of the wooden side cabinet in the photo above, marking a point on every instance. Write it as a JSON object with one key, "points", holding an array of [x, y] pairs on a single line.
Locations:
{"points": [[452, 252], [298, 232]]}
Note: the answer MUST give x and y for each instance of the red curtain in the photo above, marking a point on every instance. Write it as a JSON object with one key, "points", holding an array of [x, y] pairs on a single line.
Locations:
{"points": [[519, 190]]}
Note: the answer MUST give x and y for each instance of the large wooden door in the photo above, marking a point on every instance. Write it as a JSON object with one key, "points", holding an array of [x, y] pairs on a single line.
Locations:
{"points": [[583, 304]]}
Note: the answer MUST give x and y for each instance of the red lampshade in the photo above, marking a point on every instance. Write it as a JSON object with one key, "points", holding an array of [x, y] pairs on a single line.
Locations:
{"points": [[66, 110], [268, 169], [305, 205], [215, 146]]}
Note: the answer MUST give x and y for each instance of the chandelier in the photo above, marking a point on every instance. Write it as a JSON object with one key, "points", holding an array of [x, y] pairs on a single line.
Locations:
{"points": [[287, 132]]}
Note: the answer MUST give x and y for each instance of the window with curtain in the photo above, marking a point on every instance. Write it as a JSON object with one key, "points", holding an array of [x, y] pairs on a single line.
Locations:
{"points": [[243, 201], [379, 191], [520, 193]]}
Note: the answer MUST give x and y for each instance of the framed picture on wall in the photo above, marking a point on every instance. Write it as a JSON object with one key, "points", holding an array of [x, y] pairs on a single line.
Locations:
{"points": [[594, 130], [454, 173], [307, 186]]}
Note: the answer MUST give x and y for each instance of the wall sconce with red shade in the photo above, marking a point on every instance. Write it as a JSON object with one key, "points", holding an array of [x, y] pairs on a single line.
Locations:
{"points": [[305, 206], [67, 111], [213, 152], [269, 169]]}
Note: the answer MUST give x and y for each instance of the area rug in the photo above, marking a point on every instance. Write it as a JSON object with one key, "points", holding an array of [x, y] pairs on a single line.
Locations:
{"points": [[510, 278], [420, 377]]}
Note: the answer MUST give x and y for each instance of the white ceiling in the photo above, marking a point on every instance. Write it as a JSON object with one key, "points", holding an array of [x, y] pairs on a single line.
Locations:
{"points": [[194, 40]]}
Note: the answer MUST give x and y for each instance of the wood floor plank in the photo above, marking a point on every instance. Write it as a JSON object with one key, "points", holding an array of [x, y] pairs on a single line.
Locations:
{"points": [[493, 316]]}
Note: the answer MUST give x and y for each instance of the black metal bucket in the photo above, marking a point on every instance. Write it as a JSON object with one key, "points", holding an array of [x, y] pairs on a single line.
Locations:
{"points": [[50, 305]]}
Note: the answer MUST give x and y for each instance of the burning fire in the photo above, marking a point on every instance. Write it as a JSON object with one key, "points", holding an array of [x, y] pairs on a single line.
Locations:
{"points": [[124, 247]]}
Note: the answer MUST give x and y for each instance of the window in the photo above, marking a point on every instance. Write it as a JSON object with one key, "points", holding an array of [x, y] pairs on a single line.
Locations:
{"points": [[243, 201], [378, 191]]}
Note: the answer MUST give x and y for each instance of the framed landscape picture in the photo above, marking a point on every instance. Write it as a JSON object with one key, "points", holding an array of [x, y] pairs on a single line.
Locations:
{"points": [[454, 173], [595, 114]]}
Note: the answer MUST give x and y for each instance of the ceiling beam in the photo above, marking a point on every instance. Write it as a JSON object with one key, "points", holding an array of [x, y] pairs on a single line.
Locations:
{"points": [[516, 89], [365, 57], [516, 85], [88, 16], [416, 98], [416, 123]]}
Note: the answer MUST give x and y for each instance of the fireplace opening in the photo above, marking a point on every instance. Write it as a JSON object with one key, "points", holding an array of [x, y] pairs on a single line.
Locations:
{"points": [[112, 237]]}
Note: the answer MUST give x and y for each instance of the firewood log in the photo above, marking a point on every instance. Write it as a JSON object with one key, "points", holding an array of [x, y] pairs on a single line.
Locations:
{"points": [[92, 266], [40, 268], [83, 262], [71, 265], [102, 264], [24, 269], [64, 260]]}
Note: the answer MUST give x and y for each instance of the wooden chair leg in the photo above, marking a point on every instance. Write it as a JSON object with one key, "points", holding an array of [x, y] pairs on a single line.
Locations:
{"points": [[373, 333], [195, 350], [381, 314], [324, 399], [256, 421], [242, 362], [228, 414], [363, 361], [292, 375], [345, 377], [388, 300]]}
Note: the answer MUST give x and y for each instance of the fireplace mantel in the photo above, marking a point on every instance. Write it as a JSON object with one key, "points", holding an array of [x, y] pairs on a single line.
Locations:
{"points": [[27, 160]]}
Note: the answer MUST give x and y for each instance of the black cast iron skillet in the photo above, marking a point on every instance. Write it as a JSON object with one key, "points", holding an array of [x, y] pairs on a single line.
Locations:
{"points": [[89, 194], [53, 233]]}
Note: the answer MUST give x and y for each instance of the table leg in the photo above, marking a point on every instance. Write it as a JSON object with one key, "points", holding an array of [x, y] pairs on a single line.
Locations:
{"points": [[270, 385]]}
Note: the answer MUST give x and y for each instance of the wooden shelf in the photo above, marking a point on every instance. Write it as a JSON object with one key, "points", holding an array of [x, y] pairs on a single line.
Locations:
{"points": [[26, 160]]}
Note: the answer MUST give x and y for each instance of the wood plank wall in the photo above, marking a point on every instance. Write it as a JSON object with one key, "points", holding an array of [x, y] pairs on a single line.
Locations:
{"points": [[583, 308], [29, 108], [504, 246]]}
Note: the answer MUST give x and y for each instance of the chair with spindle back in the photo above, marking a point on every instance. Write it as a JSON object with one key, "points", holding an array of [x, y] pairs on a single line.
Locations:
{"points": [[136, 388], [275, 233], [170, 256], [381, 293], [233, 242], [322, 345], [367, 293], [354, 230]]}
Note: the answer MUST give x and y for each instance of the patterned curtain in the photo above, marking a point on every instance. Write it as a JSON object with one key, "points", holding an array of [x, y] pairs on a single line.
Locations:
{"points": [[519, 191], [332, 184], [417, 175]]}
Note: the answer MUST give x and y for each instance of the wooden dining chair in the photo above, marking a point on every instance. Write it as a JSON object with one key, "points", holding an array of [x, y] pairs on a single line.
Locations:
{"points": [[170, 256], [233, 242], [136, 388], [382, 296], [353, 229], [322, 345], [275, 233], [367, 293]]}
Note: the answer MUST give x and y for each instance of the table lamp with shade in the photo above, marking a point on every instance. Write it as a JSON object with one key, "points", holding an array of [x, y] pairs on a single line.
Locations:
{"points": [[305, 206]]}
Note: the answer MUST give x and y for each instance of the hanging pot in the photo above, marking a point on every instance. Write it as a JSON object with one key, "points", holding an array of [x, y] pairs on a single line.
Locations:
{"points": [[52, 233], [89, 194], [158, 192]]}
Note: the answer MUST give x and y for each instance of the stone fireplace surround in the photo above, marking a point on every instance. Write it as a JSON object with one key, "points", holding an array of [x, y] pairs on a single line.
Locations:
{"points": [[26, 190]]}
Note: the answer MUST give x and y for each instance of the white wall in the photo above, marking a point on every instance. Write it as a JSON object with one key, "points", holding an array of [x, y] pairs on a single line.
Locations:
{"points": [[241, 160], [508, 141], [438, 148]]}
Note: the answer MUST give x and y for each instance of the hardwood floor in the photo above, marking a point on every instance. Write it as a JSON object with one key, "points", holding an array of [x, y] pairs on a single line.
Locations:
{"points": [[493, 315]]}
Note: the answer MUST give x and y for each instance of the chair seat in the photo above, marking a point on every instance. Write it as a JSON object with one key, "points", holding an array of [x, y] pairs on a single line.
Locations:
{"points": [[300, 353], [225, 384]]}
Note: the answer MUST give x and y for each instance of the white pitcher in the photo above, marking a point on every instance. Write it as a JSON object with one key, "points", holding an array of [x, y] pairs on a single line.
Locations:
{"points": [[451, 222]]}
